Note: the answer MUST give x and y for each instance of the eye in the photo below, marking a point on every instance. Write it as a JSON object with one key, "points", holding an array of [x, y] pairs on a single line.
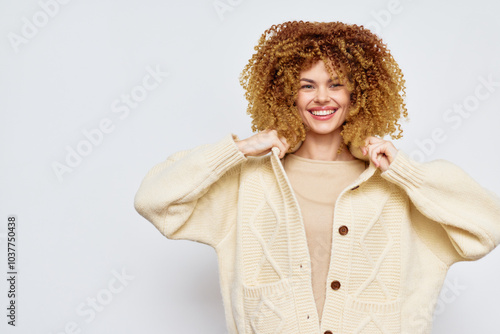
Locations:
{"points": [[334, 85], [306, 87]]}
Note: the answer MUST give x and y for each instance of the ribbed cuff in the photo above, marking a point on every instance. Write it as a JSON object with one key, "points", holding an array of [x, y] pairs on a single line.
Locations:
{"points": [[224, 154], [404, 171]]}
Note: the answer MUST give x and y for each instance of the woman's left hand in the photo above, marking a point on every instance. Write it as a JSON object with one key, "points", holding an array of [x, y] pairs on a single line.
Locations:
{"points": [[380, 152]]}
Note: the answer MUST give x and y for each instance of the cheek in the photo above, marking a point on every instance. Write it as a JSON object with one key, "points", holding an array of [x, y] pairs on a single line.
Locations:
{"points": [[345, 97], [345, 103], [301, 103], [301, 109], [302, 114]]}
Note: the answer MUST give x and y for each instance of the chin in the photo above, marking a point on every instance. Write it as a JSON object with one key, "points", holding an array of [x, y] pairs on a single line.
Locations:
{"points": [[323, 131]]}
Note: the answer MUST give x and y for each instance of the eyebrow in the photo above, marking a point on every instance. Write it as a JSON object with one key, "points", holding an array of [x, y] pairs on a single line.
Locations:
{"points": [[312, 81]]}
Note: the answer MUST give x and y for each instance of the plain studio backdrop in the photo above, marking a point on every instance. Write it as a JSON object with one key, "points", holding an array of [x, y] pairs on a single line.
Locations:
{"points": [[94, 93]]}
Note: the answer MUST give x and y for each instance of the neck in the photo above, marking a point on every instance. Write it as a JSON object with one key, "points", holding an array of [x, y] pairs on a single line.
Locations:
{"points": [[324, 147]]}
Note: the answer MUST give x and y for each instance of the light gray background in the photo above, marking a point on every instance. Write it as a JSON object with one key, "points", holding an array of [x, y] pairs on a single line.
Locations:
{"points": [[76, 233]]}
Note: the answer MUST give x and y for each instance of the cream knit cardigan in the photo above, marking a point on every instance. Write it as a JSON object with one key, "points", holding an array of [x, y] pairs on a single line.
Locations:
{"points": [[406, 226]]}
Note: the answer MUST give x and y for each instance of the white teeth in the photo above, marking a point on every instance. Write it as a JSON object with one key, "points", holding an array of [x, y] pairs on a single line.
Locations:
{"points": [[323, 112]]}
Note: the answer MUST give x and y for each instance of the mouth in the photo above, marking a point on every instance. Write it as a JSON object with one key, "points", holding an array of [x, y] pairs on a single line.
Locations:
{"points": [[323, 112]]}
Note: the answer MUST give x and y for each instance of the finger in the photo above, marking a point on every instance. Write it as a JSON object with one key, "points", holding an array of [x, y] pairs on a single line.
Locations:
{"points": [[364, 149], [273, 133], [373, 157], [283, 140], [375, 153], [285, 145], [278, 141], [390, 151], [262, 153], [366, 146], [386, 148], [282, 147], [368, 141]]}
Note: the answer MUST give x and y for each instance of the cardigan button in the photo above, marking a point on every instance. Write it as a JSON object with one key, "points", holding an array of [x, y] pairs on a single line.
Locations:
{"points": [[335, 285], [328, 332], [343, 230]]}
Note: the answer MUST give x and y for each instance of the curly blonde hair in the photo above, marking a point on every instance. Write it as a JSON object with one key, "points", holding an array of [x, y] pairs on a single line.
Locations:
{"points": [[271, 79]]}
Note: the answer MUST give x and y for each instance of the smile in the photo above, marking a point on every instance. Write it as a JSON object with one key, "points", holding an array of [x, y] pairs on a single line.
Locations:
{"points": [[322, 112]]}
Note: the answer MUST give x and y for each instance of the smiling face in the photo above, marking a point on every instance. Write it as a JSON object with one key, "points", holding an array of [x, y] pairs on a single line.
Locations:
{"points": [[322, 101]]}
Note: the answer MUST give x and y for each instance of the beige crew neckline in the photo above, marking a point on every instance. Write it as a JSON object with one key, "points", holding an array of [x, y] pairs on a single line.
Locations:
{"points": [[333, 162]]}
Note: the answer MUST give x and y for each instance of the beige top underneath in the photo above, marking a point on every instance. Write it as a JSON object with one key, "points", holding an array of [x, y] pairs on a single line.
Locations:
{"points": [[317, 184]]}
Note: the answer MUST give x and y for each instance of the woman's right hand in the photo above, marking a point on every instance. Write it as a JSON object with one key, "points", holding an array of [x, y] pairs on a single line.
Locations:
{"points": [[261, 143]]}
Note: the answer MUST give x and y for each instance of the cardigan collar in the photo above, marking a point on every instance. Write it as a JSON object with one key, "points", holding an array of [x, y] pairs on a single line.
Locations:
{"points": [[355, 151], [279, 170]]}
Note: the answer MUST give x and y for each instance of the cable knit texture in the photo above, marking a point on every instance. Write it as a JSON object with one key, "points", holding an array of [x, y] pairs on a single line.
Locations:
{"points": [[406, 226]]}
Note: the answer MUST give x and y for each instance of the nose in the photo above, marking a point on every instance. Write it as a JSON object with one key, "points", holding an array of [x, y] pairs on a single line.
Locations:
{"points": [[322, 95]]}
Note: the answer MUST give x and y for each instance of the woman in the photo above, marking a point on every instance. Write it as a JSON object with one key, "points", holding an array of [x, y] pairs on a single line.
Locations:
{"points": [[336, 231]]}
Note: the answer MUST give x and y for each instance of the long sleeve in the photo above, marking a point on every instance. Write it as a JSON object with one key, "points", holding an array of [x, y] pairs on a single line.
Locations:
{"points": [[193, 194], [457, 218]]}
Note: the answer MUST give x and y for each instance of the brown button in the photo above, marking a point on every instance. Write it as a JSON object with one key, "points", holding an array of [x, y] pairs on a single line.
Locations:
{"points": [[335, 285], [328, 332], [343, 230]]}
